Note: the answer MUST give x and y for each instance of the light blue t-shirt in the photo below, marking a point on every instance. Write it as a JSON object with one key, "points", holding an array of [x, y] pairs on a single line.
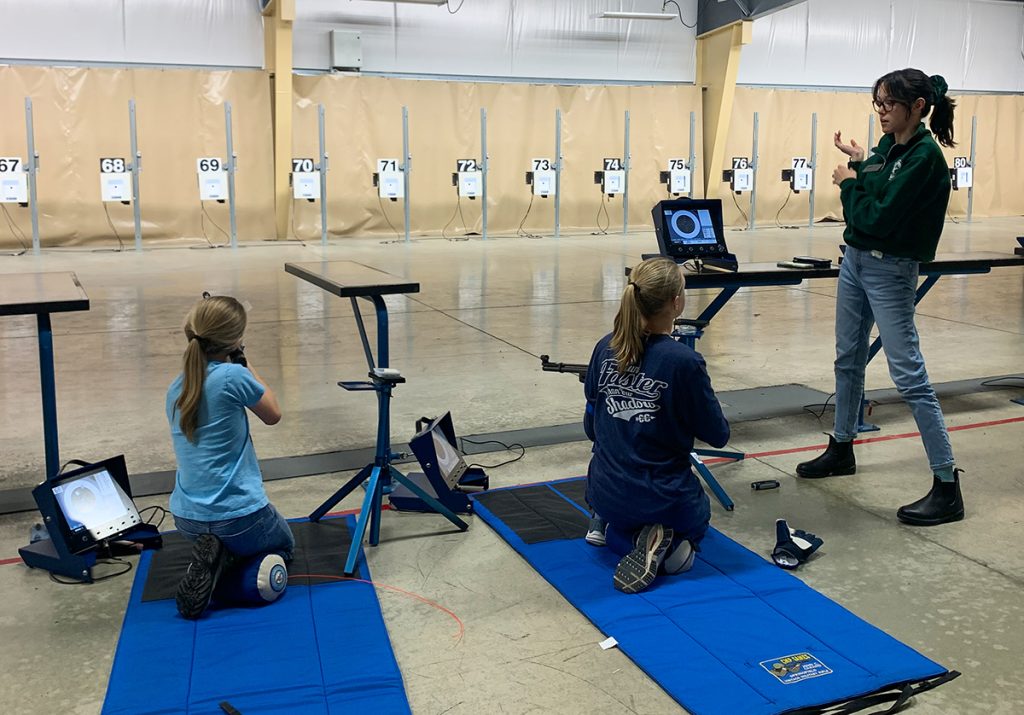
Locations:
{"points": [[218, 476]]}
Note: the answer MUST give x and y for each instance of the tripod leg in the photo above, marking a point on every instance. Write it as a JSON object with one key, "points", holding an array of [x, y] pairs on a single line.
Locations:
{"points": [[350, 485], [430, 501], [372, 497], [712, 483]]}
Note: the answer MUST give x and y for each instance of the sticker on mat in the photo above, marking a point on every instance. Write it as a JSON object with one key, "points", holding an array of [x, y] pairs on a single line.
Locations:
{"points": [[794, 668]]}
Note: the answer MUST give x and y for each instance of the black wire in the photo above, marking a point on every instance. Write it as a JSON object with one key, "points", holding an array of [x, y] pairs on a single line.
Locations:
{"points": [[952, 218], [385, 213], [15, 231], [448, 4], [995, 382], [455, 213], [465, 228], [95, 579], [602, 231], [155, 508], [777, 223], [807, 408], [202, 222], [527, 234], [678, 10], [106, 212], [508, 447], [746, 219]]}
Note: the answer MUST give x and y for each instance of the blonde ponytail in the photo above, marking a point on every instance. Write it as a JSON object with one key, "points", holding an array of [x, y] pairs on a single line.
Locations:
{"points": [[213, 326], [651, 285]]}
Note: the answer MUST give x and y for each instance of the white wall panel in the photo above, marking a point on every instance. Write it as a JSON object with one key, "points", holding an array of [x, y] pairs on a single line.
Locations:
{"points": [[182, 32], [504, 38], [975, 44]]}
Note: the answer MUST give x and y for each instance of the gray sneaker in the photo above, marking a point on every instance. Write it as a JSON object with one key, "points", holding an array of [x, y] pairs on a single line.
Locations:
{"points": [[637, 569], [596, 530]]}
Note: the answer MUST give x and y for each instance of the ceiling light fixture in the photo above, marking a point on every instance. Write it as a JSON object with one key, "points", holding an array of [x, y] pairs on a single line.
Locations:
{"points": [[615, 15]]}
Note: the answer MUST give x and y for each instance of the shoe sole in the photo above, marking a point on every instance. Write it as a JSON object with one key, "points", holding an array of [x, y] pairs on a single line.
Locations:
{"points": [[638, 569], [913, 521], [196, 587], [835, 473]]}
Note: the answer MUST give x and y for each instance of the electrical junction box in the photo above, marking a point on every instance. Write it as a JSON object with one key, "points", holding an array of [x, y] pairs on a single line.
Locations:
{"points": [[679, 181], [14, 188], [543, 183], [346, 50], [306, 185], [116, 186], [213, 186], [470, 183], [964, 178], [742, 180], [614, 182], [391, 185], [803, 179]]}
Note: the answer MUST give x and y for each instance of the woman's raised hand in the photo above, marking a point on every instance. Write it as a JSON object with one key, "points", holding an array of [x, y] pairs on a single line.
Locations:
{"points": [[852, 150]]}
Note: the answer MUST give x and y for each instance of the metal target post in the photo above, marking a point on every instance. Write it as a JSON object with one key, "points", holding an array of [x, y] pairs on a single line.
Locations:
{"points": [[135, 167], [321, 121], [814, 167], [558, 171], [232, 161], [871, 136], [625, 183], [406, 166], [970, 190], [33, 169], [483, 171], [755, 161], [693, 152]]}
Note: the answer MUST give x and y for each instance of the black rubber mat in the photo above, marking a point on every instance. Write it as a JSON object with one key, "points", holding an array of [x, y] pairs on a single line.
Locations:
{"points": [[536, 514]]}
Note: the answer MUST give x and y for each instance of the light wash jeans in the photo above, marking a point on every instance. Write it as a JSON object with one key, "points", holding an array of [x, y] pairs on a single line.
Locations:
{"points": [[876, 288]]}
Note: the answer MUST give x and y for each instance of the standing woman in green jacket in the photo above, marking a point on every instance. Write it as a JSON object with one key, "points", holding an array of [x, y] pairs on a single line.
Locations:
{"points": [[895, 205]]}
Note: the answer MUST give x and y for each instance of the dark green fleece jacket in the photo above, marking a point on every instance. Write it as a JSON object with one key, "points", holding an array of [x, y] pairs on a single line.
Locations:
{"points": [[897, 204]]}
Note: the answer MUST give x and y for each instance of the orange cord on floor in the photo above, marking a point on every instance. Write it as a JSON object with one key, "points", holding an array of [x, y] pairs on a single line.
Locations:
{"points": [[377, 584]]}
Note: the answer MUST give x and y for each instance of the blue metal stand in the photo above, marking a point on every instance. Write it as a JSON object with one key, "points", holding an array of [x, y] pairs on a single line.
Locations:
{"points": [[689, 332], [381, 473], [49, 393]]}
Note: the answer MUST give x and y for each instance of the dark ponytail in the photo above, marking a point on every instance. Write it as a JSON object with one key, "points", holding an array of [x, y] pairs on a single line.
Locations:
{"points": [[908, 85]]}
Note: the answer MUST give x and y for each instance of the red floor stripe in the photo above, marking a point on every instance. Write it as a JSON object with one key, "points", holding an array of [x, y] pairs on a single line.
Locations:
{"points": [[751, 455]]}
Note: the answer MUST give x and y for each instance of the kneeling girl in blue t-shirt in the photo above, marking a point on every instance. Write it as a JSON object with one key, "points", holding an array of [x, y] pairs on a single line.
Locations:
{"points": [[648, 397], [218, 500]]}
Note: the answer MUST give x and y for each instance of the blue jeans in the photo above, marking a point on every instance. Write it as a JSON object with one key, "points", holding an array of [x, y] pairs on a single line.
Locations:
{"points": [[876, 288], [262, 532]]}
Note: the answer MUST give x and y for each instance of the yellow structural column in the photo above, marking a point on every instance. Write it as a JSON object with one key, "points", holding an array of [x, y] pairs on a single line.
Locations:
{"points": [[718, 64], [279, 16]]}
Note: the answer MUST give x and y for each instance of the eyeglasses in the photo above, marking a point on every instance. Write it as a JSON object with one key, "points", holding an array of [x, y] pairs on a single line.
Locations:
{"points": [[885, 106]]}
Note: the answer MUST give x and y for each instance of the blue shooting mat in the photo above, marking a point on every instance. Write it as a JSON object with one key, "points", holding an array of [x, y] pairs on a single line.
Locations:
{"points": [[736, 635], [320, 648]]}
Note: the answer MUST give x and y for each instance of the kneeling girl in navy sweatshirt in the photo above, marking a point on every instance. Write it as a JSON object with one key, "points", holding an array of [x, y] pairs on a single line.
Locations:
{"points": [[648, 398]]}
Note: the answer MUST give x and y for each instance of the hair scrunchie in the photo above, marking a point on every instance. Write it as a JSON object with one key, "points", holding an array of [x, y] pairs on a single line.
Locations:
{"points": [[940, 86], [636, 288], [190, 334]]}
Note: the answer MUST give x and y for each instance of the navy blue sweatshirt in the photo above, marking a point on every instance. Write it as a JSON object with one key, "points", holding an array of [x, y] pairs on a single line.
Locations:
{"points": [[643, 423]]}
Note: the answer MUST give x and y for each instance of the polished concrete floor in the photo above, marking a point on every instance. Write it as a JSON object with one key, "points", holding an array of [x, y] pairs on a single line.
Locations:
{"points": [[469, 342]]}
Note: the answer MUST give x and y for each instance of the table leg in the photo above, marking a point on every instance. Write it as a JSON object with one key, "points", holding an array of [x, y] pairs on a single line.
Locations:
{"points": [[49, 393]]}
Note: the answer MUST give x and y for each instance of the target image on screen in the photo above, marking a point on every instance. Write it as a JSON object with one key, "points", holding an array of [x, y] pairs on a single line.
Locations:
{"points": [[692, 227], [94, 502]]}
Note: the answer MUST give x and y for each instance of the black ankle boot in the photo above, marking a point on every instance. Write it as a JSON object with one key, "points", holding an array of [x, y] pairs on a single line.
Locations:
{"points": [[943, 504], [837, 461]]}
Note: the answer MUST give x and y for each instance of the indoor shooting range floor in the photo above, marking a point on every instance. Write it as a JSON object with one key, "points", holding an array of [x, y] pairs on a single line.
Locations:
{"points": [[469, 342]]}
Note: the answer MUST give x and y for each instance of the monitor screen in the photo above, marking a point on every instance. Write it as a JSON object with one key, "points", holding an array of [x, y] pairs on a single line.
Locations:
{"points": [[449, 459], [94, 503], [690, 228]]}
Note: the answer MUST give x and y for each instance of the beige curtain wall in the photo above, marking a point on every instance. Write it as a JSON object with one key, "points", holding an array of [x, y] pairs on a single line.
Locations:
{"points": [[364, 123], [81, 114]]}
